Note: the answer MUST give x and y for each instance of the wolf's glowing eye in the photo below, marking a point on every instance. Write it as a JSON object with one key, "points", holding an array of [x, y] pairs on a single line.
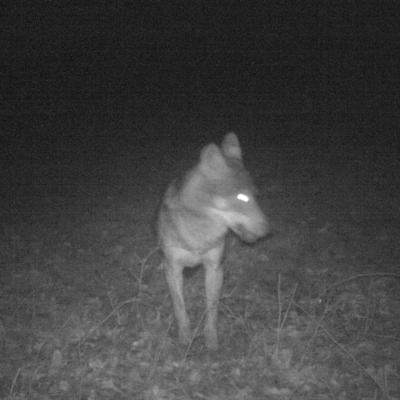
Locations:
{"points": [[243, 197]]}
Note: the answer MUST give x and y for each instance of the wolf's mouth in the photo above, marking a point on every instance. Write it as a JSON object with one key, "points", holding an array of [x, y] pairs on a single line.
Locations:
{"points": [[244, 234], [253, 233]]}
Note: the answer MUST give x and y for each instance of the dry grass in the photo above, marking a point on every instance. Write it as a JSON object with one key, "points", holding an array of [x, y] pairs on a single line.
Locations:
{"points": [[311, 313]]}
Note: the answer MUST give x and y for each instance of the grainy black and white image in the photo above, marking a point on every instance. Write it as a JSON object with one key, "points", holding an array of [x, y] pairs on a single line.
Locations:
{"points": [[199, 200]]}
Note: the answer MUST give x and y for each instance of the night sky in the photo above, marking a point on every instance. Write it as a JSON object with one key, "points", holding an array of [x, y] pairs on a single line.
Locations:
{"points": [[75, 74]]}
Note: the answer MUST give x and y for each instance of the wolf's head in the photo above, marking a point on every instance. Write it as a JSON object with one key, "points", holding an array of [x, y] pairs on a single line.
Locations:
{"points": [[227, 191]]}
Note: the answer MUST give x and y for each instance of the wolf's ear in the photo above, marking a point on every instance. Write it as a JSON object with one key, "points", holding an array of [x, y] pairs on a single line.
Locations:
{"points": [[211, 160], [231, 146]]}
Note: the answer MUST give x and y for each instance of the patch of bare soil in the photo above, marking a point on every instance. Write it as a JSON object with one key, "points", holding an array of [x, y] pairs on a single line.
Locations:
{"points": [[312, 312]]}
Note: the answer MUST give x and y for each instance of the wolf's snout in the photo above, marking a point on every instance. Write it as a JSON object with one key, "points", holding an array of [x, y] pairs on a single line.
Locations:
{"points": [[253, 232], [259, 225]]}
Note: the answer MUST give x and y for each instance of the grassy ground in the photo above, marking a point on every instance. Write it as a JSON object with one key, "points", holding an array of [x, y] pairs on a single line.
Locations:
{"points": [[313, 312]]}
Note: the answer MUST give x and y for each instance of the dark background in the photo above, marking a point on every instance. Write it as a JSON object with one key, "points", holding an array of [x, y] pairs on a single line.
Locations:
{"points": [[85, 84], [102, 103]]}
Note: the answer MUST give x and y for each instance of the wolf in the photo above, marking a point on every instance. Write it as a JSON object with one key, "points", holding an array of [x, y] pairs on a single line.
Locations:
{"points": [[195, 215]]}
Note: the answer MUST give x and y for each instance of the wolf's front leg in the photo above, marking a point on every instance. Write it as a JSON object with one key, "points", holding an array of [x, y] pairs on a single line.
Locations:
{"points": [[174, 276], [214, 278]]}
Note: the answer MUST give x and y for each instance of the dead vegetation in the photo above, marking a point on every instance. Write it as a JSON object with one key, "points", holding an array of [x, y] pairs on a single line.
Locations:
{"points": [[311, 313]]}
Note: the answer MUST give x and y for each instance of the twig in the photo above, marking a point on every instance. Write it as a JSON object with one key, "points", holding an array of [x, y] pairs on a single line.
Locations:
{"points": [[115, 310], [289, 305], [281, 322], [278, 330], [14, 381], [159, 352], [112, 306], [143, 265], [318, 324], [359, 276], [345, 351], [154, 363]]}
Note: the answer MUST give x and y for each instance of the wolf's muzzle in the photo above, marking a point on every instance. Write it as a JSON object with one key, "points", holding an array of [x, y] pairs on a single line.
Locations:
{"points": [[250, 234]]}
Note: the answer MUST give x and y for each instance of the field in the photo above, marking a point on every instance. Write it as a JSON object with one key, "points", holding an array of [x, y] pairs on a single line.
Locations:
{"points": [[311, 312]]}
